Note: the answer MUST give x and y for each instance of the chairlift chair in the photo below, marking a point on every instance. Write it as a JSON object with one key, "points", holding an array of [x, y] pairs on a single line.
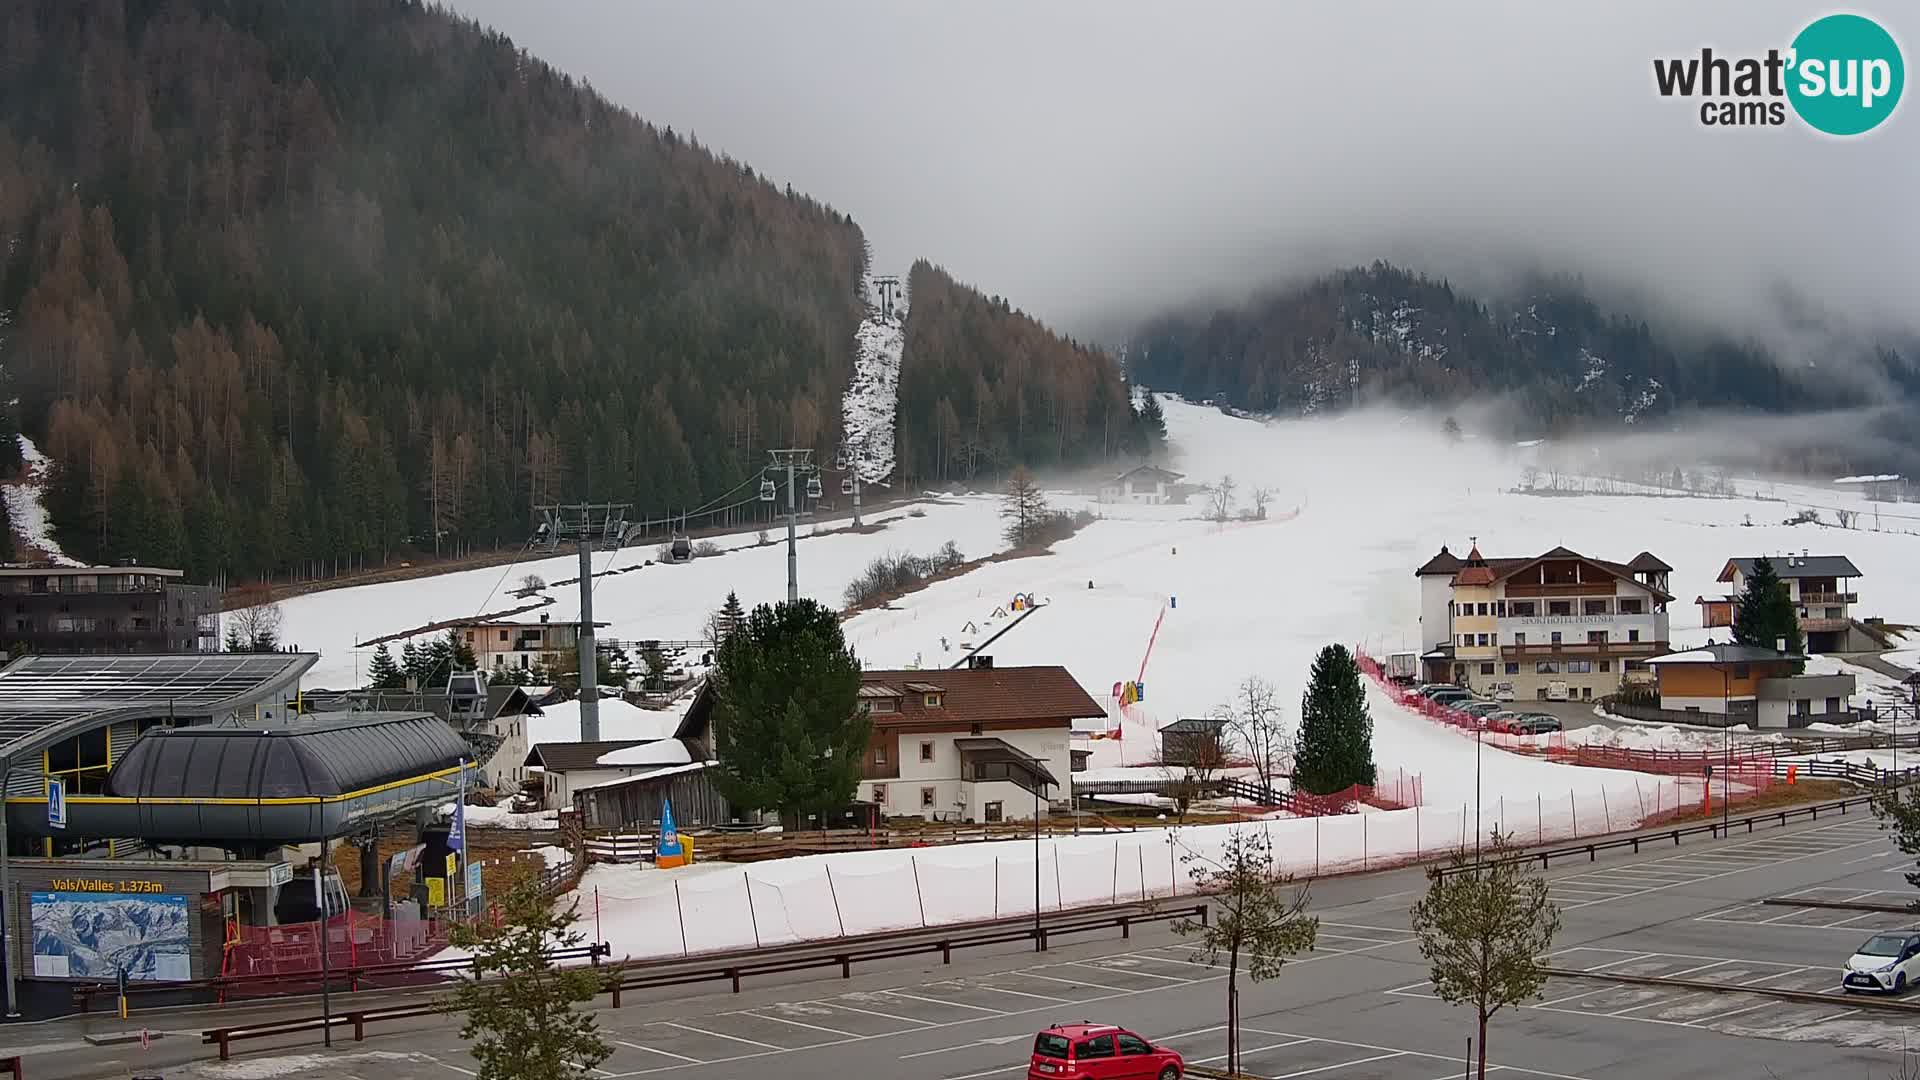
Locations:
{"points": [[681, 549], [766, 489], [840, 459], [846, 486], [814, 491]]}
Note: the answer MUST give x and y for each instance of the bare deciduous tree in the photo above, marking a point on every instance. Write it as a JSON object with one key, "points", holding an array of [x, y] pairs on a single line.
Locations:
{"points": [[1220, 499], [1261, 496], [1258, 724]]}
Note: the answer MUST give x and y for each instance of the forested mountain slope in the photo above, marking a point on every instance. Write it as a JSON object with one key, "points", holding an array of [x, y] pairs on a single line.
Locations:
{"points": [[294, 285], [1553, 358]]}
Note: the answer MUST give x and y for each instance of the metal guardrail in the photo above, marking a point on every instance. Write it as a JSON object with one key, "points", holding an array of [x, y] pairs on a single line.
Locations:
{"points": [[1638, 840], [1839, 905], [733, 968], [353, 978]]}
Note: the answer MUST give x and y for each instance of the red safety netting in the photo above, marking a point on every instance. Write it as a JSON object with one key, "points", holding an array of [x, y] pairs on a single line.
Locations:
{"points": [[353, 939]]}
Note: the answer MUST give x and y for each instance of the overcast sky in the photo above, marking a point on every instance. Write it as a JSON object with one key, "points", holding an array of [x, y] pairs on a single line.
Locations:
{"points": [[1099, 162]]}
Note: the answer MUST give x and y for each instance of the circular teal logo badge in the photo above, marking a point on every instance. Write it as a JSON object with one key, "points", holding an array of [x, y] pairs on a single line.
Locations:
{"points": [[1846, 75]]}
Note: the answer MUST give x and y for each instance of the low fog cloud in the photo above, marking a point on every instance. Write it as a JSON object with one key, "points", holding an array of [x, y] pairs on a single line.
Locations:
{"points": [[1098, 162]]}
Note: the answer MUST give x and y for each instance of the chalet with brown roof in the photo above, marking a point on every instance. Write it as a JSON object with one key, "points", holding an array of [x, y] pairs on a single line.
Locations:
{"points": [[1541, 626], [978, 743]]}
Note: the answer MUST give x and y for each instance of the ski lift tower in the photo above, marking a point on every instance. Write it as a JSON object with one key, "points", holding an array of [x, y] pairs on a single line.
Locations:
{"points": [[851, 456], [796, 464], [587, 526], [889, 288]]}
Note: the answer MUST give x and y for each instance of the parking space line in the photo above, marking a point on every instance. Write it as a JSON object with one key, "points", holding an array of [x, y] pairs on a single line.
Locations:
{"points": [[812, 1027], [1078, 982], [664, 1053], [878, 1013], [1160, 959], [1294, 1041], [1019, 993], [1342, 1065], [1126, 970], [1393, 1051], [949, 1004], [1717, 1017], [1569, 997], [719, 1035]]}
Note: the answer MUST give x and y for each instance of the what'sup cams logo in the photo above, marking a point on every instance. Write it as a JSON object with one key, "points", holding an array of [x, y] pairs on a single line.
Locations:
{"points": [[1842, 76]]}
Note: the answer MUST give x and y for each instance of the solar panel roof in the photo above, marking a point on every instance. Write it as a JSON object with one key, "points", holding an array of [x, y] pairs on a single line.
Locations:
{"points": [[46, 698]]}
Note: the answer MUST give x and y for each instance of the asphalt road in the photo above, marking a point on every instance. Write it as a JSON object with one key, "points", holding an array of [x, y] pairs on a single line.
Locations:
{"points": [[1358, 1008]]}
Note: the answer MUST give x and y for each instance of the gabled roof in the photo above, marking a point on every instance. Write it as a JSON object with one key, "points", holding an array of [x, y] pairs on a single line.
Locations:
{"points": [[1444, 563], [980, 695], [563, 756], [1154, 471], [1796, 566], [1506, 568], [1647, 561], [1194, 725]]}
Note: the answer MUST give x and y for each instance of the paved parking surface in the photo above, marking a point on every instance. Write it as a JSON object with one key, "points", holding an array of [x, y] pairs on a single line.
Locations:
{"points": [[1707, 862], [1856, 923]]}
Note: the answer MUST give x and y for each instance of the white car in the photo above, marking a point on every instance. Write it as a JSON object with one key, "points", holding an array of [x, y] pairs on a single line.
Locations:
{"points": [[1886, 963]]}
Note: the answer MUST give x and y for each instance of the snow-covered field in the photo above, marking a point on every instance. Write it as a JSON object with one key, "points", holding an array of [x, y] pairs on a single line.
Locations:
{"points": [[1375, 495]]}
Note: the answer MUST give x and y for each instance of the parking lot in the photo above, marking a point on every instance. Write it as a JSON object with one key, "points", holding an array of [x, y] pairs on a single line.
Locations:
{"points": [[1852, 923], [1698, 863]]}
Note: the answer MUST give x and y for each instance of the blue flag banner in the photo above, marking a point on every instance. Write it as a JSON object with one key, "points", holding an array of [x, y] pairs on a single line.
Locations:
{"points": [[669, 847]]}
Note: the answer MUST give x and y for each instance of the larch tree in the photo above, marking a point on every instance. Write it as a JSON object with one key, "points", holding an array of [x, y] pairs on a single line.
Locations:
{"points": [[1024, 507]]}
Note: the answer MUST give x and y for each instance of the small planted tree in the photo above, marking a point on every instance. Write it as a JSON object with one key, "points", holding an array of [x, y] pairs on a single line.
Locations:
{"points": [[1259, 918], [1482, 928], [1898, 811], [522, 1015]]}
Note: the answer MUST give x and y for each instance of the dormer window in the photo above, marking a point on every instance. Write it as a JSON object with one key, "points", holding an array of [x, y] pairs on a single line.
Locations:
{"points": [[932, 701]]}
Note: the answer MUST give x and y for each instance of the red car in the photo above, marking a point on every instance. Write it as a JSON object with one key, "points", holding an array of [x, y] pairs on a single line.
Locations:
{"points": [[1087, 1051]]}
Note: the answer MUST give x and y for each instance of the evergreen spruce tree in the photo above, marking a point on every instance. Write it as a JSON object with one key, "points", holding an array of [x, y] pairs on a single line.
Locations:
{"points": [[784, 695], [383, 673], [461, 652], [413, 662], [1335, 748], [1765, 613]]}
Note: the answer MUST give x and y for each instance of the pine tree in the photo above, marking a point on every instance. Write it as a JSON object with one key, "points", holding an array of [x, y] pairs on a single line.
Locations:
{"points": [[413, 663], [522, 1020], [1335, 749], [1765, 613], [726, 619], [461, 652], [382, 672], [784, 689]]}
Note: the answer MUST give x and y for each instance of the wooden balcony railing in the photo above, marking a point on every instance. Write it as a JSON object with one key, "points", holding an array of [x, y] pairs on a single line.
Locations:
{"points": [[1585, 648]]}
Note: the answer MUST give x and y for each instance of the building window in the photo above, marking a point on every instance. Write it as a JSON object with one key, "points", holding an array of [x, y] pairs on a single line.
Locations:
{"points": [[926, 751], [1466, 641], [879, 755], [1630, 605], [1606, 665], [1593, 607], [994, 812], [1483, 640], [1520, 640], [1523, 608], [1513, 669], [503, 635], [974, 729], [1586, 693], [880, 794], [926, 798], [1833, 704], [884, 705], [1486, 669], [1556, 637], [1741, 671], [1579, 667], [1559, 607], [1500, 609], [1546, 667], [1803, 707], [932, 701], [1596, 637], [469, 637], [1834, 613], [1483, 609]]}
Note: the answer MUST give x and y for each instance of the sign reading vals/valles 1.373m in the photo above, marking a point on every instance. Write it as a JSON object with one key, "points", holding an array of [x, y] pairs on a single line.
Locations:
{"points": [[103, 885]]}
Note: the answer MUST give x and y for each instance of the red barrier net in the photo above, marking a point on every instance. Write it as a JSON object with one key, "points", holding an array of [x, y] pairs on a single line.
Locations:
{"points": [[354, 939]]}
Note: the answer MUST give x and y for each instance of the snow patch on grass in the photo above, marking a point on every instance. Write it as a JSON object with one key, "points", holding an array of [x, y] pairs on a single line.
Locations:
{"points": [[27, 511]]}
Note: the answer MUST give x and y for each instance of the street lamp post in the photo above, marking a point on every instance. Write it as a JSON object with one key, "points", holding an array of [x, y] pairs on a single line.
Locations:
{"points": [[1726, 757], [1039, 941]]}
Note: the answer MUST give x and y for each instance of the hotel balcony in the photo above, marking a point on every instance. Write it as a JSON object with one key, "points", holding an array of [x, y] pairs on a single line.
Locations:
{"points": [[1584, 648]]}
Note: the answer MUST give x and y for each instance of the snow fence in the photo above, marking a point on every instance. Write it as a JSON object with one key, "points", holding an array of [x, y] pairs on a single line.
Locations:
{"points": [[820, 897]]}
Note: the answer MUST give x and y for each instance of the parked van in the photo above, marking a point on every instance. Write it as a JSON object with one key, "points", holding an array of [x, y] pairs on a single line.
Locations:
{"points": [[1557, 691]]}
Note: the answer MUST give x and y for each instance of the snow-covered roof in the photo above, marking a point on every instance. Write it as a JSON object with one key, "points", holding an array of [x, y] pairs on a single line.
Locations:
{"points": [[618, 720], [1883, 478], [651, 774], [662, 752]]}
